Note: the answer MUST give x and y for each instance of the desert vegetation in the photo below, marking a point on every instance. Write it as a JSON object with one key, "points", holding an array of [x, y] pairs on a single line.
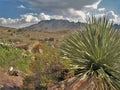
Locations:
{"points": [[83, 60], [40, 65], [96, 52]]}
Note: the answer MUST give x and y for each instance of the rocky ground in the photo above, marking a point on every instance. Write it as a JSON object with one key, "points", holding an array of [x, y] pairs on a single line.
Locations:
{"points": [[8, 82]]}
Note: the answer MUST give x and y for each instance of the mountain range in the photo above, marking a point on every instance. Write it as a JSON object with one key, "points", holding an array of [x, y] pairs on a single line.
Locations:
{"points": [[54, 24]]}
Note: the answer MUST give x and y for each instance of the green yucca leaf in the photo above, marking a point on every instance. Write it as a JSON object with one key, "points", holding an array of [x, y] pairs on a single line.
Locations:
{"points": [[97, 49]]}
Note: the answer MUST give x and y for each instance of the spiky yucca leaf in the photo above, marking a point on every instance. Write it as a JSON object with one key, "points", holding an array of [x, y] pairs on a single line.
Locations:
{"points": [[97, 51]]}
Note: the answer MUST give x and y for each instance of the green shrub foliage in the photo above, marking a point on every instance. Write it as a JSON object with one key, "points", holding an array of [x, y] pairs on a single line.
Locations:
{"points": [[96, 51]]}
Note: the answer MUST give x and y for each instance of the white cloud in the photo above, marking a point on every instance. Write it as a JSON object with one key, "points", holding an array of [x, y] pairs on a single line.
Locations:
{"points": [[60, 6], [69, 9], [28, 18], [113, 17], [94, 5], [76, 12], [73, 10], [43, 16], [110, 15], [22, 7], [24, 20], [74, 15], [101, 9]]}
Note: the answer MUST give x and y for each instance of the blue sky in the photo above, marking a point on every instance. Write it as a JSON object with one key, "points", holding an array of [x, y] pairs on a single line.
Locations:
{"points": [[111, 5], [21, 13], [9, 8]]}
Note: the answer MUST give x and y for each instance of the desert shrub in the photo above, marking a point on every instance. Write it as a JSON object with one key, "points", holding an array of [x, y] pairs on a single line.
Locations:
{"points": [[51, 39], [11, 34], [45, 39], [96, 51], [19, 30], [9, 30], [32, 38]]}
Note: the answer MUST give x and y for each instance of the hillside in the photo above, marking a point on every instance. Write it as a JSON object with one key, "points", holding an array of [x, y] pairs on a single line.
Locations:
{"points": [[13, 35]]}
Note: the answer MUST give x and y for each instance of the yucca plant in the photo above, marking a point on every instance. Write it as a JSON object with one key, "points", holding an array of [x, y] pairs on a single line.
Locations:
{"points": [[96, 50]]}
